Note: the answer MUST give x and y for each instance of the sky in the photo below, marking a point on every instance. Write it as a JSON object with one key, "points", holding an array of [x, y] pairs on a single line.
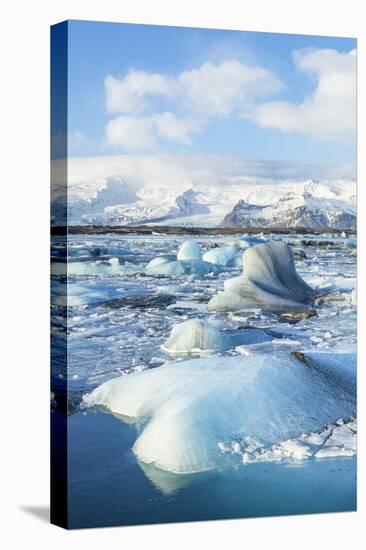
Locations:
{"points": [[140, 90]]}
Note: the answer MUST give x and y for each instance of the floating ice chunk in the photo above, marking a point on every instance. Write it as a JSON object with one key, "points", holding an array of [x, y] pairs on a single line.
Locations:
{"points": [[339, 282], [247, 241], [196, 334], [224, 256], [161, 266], [96, 268], [190, 407], [336, 440], [189, 250], [180, 267], [159, 260], [95, 251], [269, 281]]}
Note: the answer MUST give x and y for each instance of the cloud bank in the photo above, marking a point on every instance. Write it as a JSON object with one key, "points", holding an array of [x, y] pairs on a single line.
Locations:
{"points": [[330, 111], [150, 109], [159, 172], [212, 90]]}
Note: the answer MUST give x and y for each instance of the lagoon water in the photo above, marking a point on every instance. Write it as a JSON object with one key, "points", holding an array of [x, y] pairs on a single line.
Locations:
{"points": [[108, 487], [118, 319]]}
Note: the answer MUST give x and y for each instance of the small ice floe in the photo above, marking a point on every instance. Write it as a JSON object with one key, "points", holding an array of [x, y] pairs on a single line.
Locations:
{"points": [[108, 267], [339, 439], [336, 282], [74, 295], [247, 241], [96, 251], [197, 335], [189, 407], [269, 281], [187, 262], [189, 250]]}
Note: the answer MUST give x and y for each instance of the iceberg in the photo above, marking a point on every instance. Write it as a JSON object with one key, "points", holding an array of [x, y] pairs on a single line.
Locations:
{"points": [[197, 335], [187, 411], [165, 267], [269, 282], [189, 250], [188, 261], [224, 256]]}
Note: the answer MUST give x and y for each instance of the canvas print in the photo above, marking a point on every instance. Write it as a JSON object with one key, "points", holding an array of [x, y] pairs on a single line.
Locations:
{"points": [[203, 274]]}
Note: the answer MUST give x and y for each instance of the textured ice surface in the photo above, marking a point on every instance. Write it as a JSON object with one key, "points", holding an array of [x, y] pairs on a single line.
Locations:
{"points": [[188, 408], [269, 282], [338, 366]]}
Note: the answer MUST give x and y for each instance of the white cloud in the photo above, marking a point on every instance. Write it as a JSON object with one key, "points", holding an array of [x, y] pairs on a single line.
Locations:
{"points": [[130, 94], [330, 111], [220, 90], [159, 172], [211, 90], [174, 129], [142, 133], [131, 133]]}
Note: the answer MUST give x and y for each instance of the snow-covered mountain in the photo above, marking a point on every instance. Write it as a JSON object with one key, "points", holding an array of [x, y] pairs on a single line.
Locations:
{"points": [[311, 204], [232, 201]]}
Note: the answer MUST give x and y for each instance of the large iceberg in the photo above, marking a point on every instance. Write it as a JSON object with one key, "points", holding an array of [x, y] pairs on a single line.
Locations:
{"points": [[196, 335], [187, 411], [269, 281]]}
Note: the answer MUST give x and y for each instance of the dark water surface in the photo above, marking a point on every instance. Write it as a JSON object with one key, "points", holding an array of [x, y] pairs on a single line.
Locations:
{"points": [[108, 487]]}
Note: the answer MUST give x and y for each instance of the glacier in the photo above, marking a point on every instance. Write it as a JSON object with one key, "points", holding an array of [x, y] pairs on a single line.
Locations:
{"points": [[185, 410]]}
